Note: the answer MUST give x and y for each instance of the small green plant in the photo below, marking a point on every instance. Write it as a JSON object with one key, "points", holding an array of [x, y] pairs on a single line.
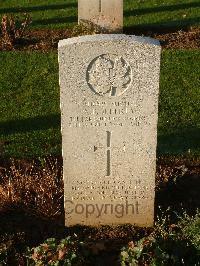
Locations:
{"points": [[191, 229], [13, 29], [168, 244], [131, 254], [55, 253]]}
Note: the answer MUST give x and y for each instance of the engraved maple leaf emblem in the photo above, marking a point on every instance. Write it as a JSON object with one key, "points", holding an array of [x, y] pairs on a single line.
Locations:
{"points": [[108, 75], [121, 76]]}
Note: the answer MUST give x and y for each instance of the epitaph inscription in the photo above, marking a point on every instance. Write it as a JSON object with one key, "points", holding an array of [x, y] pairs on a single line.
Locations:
{"points": [[109, 105]]}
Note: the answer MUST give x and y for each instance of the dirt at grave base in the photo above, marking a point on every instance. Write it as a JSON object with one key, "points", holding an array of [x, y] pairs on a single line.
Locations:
{"points": [[46, 40], [181, 39], [177, 186]]}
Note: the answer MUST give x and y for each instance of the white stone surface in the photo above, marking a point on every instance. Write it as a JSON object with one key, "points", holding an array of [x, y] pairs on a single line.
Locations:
{"points": [[109, 104], [108, 14]]}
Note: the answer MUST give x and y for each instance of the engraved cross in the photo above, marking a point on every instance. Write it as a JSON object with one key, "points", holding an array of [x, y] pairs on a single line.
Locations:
{"points": [[108, 152], [100, 6]]}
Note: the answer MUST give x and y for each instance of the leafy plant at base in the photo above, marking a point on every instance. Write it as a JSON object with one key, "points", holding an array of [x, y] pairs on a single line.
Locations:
{"points": [[55, 254], [191, 229], [130, 255], [167, 245]]}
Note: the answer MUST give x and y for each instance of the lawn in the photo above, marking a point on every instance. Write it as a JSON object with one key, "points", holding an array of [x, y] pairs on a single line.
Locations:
{"points": [[29, 104], [29, 99], [30, 119]]}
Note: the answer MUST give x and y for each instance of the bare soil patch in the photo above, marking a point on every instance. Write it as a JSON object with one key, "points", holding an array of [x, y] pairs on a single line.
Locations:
{"points": [[47, 40], [181, 39], [38, 40]]}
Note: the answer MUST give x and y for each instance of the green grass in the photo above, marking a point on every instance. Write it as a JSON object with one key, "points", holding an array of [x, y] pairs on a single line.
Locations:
{"points": [[45, 14], [179, 109], [29, 104], [140, 14], [164, 15]]}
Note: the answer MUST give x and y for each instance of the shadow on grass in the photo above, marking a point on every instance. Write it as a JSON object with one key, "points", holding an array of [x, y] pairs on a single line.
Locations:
{"points": [[181, 142], [36, 8], [164, 27], [143, 11], [30, 124]]}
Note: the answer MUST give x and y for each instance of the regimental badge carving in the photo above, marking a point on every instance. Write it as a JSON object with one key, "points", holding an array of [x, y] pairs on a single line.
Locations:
{"points": [[109, 75]]}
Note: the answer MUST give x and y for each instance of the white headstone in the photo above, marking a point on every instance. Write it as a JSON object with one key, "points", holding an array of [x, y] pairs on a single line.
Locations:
{"points": [[109, 105], [108, 14]]}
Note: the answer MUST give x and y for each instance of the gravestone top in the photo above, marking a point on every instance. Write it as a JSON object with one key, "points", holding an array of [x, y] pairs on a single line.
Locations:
{"points": [[109, 108], [108, 37]]}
